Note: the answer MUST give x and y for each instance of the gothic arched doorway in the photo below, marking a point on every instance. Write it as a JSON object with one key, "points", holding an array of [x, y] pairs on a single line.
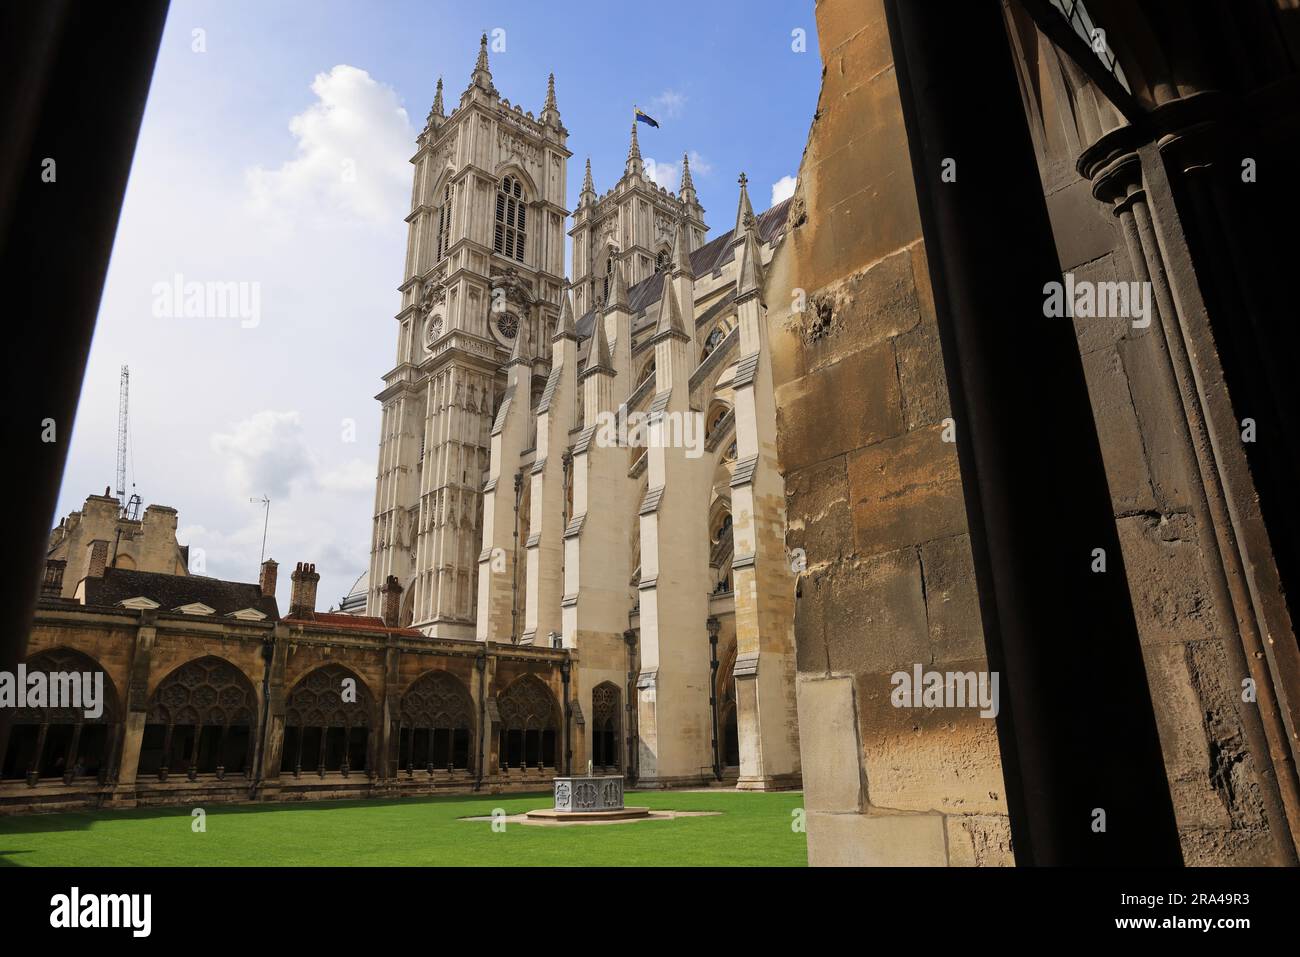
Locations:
{"points": [[730, 739], [606, 752]]}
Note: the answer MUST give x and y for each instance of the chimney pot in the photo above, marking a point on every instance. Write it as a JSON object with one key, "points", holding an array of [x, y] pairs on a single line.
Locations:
{"points": [[392, 601], [302, 600], [270, 570]]}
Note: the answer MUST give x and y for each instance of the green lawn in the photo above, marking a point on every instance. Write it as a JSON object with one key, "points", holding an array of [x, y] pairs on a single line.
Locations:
{"points": [[753, 829]]}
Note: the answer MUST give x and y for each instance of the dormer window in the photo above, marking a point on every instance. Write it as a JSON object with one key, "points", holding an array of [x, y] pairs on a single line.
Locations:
{"points": [[508, 240], [195, 608], [248, 614]]}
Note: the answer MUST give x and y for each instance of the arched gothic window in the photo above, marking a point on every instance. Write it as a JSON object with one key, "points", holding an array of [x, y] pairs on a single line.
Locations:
{"points": [[711, 343], [322, 731], [444, 222], [530, 720], [606, 753], [201, 718], [609, 275], [437, 724], [511, 224], [717, 413], [721, 547], [662, 260], [62, 742]]}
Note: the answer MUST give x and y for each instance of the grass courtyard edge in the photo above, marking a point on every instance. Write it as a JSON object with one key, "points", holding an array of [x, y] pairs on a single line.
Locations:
{"points": [[753, 829]]}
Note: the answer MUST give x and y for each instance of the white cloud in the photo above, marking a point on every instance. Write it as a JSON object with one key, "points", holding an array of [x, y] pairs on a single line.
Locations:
{"points": [[668, 105], [783, 189], [353, 146], [319, 511], [265, 453], [352, 476], [669, 174], [210, 400]]}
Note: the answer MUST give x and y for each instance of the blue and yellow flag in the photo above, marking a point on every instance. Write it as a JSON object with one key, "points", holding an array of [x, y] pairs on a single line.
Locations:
{"points": [[642, 117]]}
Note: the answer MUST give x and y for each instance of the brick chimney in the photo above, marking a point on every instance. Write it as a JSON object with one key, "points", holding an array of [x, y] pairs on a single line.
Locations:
{"points": [[302, 599], [98, 558], [392, 592], [270, 568], [52, 583]]}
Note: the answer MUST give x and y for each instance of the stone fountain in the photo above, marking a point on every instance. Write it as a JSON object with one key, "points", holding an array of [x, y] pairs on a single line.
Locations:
{"points": [[589, 797]]}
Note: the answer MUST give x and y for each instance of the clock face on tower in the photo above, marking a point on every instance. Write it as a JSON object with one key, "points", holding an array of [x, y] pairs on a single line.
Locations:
{"points": [[433, 306], [507, 325], [432, 329]]}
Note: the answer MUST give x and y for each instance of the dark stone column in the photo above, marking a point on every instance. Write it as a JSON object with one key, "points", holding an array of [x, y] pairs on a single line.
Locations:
{"points": [[1076, 726]]}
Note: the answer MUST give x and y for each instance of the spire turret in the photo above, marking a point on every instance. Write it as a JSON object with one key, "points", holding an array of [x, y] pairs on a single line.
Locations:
{"points": [[550, 115], [634, 164], [482, 76], [617, 288], [565, 327], [743, 209], [517, 356], [750, 277], [598, 356], [588, 192], [670, 315], [687, 182], [437, 102]]}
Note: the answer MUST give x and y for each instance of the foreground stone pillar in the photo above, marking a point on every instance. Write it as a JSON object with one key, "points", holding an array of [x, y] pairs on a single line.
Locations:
{"points": [[675, 726], [767, 719]]}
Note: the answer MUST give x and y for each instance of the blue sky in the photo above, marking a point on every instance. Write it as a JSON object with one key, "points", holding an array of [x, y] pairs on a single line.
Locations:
{"points": [[236, 180]]}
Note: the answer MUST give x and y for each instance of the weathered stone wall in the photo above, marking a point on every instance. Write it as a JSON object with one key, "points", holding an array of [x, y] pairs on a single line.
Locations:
{"points": [[873, 492], [146, 544], [1183, 612]]}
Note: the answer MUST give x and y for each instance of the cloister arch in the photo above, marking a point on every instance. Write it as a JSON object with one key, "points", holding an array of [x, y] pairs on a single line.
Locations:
{"points": [[436, 724], [202, 719], [324, 730], [530, 722], [52, 742]]}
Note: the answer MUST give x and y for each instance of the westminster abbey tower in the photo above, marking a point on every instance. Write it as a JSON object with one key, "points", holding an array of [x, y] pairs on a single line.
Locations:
{"points": [[506, 513]]}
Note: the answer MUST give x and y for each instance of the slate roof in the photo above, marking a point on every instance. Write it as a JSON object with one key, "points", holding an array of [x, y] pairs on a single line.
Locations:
{"points": [[173, 591], [351, 622]]}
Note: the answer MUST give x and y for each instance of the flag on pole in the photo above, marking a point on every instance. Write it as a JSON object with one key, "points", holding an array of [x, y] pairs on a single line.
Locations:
{"points": [[642, 117]]}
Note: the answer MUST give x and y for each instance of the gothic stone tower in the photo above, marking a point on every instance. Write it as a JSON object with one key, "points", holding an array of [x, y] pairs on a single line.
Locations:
{"points": [[482, 283], [633, 223]]}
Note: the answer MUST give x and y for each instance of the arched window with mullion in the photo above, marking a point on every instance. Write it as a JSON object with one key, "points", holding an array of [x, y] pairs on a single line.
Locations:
{"points": [[511, 220], [444, 222]]}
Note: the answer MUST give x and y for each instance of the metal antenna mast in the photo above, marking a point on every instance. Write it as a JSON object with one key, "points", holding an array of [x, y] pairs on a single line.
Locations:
{"points": [[265, 502], [121, 435]]}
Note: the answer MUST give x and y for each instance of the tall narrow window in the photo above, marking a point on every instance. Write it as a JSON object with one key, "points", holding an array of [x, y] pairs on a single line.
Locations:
{"points": [[606, 749], [511, 220], [609, 274], [444, 222]]}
